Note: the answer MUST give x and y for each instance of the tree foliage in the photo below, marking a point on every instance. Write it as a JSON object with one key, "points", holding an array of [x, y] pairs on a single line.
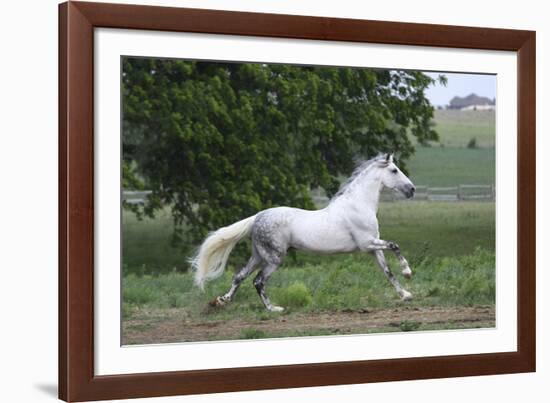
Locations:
{"points": [[220, 141]]}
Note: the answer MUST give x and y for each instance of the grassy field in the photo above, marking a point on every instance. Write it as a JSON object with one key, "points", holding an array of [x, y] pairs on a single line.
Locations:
{"points": [[450, 247], [456, 128], [348, 285], [351, 281], [421, 228], [450, 162], [443, 166], [147, 244]]}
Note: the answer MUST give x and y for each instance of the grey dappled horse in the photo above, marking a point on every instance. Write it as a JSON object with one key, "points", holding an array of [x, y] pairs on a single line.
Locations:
{"points": [[347, 224]]}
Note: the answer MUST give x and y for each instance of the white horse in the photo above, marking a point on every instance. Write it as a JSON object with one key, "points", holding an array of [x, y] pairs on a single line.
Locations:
{"points": [[347, 224]]}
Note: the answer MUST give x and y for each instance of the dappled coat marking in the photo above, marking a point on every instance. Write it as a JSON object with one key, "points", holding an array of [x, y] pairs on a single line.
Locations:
{"points": [[347, 224]]}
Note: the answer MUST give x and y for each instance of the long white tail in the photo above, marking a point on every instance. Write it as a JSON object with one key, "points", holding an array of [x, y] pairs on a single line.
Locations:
{"points": [[211, 258]]}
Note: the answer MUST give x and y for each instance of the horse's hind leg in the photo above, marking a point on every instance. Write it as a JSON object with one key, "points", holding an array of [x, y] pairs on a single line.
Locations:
{"points": [[259, 283], [238, 278], [381, 260]]}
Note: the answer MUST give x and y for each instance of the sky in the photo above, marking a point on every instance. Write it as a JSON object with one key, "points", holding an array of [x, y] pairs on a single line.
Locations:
{"points": [[461, 84]]}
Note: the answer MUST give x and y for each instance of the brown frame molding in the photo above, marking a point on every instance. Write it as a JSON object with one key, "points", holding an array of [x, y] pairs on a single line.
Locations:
{"points": [[77, 21]]}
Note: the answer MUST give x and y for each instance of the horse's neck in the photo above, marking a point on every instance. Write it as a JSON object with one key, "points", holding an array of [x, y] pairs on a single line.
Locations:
{"points": [[366, 194]]}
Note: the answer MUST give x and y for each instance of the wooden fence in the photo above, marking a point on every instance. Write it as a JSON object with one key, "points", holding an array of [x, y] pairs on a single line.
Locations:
{"points": [[447, 193], [135, 196]]}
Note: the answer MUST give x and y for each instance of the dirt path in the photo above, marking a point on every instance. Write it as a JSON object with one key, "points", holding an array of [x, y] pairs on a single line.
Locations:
{"points": [[169, 326]]}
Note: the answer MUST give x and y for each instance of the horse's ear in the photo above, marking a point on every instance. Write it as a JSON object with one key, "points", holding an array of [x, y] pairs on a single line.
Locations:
{"points": [[389, 157]]}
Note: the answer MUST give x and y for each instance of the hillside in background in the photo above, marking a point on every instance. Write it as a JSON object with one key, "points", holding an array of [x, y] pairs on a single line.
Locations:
{"points": [[450, 161], [456, 128], [470, 100]]}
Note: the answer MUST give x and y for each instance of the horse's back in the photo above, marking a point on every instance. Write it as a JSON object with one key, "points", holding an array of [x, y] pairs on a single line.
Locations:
{"points": [[274, 221], [313, 230]]}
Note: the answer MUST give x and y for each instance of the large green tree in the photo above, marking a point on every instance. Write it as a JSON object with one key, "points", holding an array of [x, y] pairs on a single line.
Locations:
{"points": [[218, 142]]}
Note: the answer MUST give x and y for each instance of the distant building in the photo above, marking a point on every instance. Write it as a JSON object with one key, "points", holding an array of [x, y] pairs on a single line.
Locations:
{"points": [[472, 102]]}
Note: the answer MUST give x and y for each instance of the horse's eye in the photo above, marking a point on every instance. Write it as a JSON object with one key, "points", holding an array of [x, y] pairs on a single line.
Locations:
{"points": [[394, 171]]}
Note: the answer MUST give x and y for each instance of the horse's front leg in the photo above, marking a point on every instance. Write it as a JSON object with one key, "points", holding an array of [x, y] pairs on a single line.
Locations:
{"points": [[381, 260], [390, 245]]}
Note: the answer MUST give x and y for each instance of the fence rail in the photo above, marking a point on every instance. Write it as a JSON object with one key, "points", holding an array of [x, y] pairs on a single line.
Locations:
{"points": [[446, 193], [135, 196]]}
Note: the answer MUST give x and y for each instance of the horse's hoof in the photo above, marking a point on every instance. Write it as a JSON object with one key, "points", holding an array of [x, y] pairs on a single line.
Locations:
{"points": [[406, 296], [217, 302], [407, 273], [275, 308]]}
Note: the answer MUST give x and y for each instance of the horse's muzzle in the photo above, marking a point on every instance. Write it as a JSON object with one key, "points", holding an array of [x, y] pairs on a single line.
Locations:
{"points": [[408, 191]]}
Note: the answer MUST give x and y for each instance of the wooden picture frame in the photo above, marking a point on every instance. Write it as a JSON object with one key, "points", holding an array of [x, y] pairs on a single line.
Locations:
{"points": [[77, 21]]}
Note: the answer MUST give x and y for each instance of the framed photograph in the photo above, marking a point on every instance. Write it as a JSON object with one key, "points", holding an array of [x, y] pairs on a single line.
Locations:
{"points": [[256, 201]]}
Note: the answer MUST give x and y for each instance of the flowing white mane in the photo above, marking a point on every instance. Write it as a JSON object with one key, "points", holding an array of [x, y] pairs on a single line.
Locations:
{"points": [[359, 170]]}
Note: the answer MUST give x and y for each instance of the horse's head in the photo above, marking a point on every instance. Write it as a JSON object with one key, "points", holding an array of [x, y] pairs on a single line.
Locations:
{"points": [[393, 178]]}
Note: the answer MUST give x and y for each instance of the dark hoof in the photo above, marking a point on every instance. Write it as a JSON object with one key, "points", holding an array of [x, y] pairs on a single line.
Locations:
{"points": [[217, 302], [214, 303], [393, 246]]}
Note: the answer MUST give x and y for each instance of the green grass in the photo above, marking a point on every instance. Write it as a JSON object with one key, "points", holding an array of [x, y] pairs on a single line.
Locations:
{"points": [[429, 228], [442, 166], [350, 283], [405, 326], [450, 162], [421, 228], [447, 244], [456, 128], [251, 333], [147, 244]]}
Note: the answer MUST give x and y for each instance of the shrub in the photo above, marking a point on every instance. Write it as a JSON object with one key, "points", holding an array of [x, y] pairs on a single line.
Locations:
{"points": [[472, 143], [252, 333], [138, 291], [409, 325], [295, 295]]}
